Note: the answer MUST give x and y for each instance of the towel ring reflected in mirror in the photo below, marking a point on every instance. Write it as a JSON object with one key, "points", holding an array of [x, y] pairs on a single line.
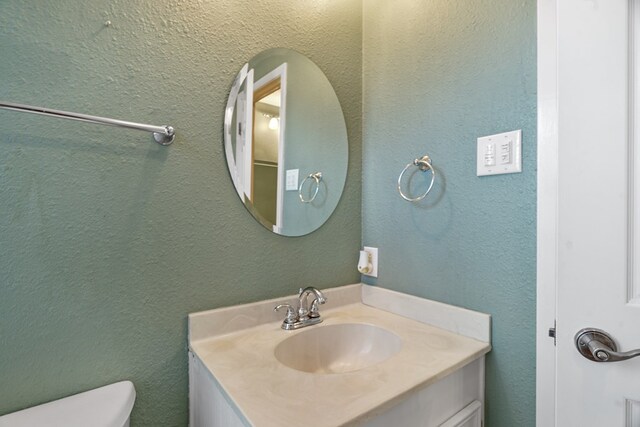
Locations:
{"points": [[316, 177]]}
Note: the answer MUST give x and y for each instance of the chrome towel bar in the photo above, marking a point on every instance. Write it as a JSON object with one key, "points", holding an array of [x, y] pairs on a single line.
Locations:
{"points": [[163, 135]]}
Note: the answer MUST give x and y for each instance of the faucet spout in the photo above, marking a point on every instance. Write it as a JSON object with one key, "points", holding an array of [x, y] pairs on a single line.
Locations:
{"points": [[304, 311]]}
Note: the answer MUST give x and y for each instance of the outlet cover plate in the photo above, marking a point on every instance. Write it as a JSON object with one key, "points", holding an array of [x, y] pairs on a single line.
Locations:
{"points": [[374, 261]]}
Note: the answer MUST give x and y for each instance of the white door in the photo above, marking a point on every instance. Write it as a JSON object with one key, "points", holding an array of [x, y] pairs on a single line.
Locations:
{"points": [[598, 206], [240, 103], [244, 137]]}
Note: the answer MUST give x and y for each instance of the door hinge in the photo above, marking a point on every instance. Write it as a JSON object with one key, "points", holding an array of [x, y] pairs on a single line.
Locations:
{"points": [[552, 333]]}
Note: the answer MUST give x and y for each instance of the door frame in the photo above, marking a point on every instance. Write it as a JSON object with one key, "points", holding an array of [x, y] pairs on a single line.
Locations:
{"points": [[259, 92], [280, 73], [547, 211]]}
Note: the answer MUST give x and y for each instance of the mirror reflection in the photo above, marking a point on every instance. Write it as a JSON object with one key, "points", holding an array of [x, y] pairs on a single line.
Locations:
{"points": [[286, 142]]}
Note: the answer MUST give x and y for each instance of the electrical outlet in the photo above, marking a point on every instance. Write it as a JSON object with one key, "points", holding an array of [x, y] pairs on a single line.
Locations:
{"points": [[374, 261]]}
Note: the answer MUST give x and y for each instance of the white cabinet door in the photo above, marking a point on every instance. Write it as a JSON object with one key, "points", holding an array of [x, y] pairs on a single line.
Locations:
{"points": [[598, 203], [470, 416]]}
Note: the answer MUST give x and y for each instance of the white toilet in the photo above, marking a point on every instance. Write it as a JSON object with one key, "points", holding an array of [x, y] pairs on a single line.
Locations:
{"points": [[108, 406]]}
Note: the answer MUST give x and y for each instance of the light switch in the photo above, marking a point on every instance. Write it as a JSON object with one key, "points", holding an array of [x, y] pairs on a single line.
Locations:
{"points": [[490, 155], [500, 153], [292, 179], [505, 152]]}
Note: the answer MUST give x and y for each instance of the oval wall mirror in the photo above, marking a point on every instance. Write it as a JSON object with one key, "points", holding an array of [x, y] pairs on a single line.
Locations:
{"points": [[286, 142]]}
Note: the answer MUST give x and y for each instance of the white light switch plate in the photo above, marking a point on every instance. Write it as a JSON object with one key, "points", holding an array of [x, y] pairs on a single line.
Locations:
{"points": [[292, 179], [500, 153]]}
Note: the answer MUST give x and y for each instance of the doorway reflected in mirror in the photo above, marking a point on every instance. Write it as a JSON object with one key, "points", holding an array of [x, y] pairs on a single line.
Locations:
{"points": [[283, 122]]}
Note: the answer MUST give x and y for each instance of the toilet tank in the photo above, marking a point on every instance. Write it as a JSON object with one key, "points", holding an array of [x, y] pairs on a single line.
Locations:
{"points": [[108, 406]]}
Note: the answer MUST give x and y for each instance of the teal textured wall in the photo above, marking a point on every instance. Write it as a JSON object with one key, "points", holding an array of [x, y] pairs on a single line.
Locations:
{"points": [[107, 240], [437, 75]]}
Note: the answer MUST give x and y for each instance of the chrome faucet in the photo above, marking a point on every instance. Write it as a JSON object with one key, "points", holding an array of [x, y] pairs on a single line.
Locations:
{"points": [[304, 314], [304, 311]]}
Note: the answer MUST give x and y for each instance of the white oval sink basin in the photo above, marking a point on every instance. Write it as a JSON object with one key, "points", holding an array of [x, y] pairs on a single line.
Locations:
{"points": [[337, 349]]}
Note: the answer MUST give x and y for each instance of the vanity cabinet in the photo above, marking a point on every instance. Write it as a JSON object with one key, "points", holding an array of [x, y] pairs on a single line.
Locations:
{"points": [[379, 358], [454, 401], [208, 403]]}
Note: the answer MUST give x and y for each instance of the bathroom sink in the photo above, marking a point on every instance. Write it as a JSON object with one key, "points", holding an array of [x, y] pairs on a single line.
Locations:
{"points": [[339, 348], [376, 353]]}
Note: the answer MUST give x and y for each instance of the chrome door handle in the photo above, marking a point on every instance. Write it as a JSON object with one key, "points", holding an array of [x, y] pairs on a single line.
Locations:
{"points": [[598, 346]]}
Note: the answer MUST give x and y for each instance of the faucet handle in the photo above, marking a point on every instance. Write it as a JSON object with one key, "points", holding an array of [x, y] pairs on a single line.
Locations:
{"points": [[291, 316], [314, 310]]}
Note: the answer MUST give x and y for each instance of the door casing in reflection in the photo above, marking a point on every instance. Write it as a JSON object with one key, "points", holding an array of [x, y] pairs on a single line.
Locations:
{"points": [[267, 157]]}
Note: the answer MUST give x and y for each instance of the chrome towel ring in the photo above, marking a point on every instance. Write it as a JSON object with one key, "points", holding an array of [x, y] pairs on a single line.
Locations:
{"points": [[317, 177], [424, 164]]}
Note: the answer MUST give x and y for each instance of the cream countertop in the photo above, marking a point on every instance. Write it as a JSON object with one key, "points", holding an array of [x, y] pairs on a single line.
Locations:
{"points": [[268, 393]]}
